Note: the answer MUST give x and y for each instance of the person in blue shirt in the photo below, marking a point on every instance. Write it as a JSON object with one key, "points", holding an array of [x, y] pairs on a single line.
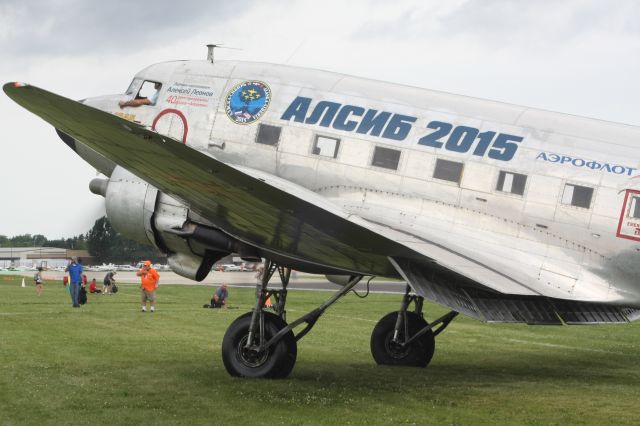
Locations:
{"points": [[219, 298], [75, 278]]}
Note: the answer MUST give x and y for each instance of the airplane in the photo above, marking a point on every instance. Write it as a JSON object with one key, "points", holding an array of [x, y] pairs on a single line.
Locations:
{"points": [[102, 268], [126, 268], [499, 212]]}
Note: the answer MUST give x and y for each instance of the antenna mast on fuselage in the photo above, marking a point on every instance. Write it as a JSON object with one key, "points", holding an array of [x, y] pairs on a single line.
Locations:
{"points": [[210, 48]]}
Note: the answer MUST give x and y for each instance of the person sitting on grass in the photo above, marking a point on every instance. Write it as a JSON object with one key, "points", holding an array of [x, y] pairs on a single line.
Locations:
{"points": [[93, 288], [219, 298]]}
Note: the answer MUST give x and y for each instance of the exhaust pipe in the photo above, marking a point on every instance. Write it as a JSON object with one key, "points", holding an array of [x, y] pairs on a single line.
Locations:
{"points": [[218, 240]]}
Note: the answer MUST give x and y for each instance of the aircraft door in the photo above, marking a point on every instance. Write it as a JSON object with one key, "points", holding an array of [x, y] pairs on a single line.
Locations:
{"points": [[171, 122], [629, 225], [188, 108]]}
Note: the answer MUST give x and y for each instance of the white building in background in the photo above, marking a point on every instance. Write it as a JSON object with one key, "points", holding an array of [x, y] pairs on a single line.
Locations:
{"points": [[33, 257]]}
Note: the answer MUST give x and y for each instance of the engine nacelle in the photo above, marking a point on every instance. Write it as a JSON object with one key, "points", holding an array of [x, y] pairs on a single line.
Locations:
{"points": [[130, 203], [140, 212]]}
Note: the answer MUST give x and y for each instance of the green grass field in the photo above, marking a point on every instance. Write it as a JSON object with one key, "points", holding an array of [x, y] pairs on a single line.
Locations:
{"points": [[109, 363]]}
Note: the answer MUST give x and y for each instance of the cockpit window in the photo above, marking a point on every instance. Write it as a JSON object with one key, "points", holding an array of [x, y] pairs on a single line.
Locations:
{"points": [[149, 90], [133, 87]]}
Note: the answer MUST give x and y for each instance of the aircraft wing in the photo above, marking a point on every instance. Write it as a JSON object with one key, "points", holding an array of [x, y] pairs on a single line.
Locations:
{"points": [[242, 206], [279, 216]]}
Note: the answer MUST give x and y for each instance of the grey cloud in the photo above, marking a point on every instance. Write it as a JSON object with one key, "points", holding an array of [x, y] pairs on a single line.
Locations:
{"points": [[508, 19], [77, 26], [508, 22], [398, 28]]}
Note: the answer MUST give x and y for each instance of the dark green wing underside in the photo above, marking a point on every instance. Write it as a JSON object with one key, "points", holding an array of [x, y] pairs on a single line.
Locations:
{"points": [[240, 205]]}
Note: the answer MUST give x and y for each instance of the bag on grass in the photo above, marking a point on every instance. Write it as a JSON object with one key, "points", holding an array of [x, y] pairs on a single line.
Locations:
{"points": [[82, 296], [114, 288]]}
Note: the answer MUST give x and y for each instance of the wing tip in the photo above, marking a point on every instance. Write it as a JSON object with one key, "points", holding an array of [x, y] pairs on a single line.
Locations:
{"points": [[15, 84], [11, 86]]}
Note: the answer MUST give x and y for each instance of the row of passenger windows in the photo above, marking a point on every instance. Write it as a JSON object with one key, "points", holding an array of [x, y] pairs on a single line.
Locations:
{"points": [[451, 171], [514, 183], [324, 146]]}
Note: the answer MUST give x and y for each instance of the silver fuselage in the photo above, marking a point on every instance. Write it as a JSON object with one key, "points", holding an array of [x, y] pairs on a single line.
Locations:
{"points": [[376, 150]]}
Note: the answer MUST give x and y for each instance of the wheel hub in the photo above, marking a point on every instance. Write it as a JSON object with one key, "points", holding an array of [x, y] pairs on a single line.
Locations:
{"points": [[251, 357], [395, 349]]}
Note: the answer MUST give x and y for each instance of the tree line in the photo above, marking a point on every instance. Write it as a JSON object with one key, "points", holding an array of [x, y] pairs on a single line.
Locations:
{"points": [[102, 242]]}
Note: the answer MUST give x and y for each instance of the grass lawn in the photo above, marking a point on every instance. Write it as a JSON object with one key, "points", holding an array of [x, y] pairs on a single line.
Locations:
{"points": [[109, 363]]}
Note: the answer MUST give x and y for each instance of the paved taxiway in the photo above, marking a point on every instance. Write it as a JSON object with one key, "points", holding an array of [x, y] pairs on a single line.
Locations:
{"points": [[299, 281]]}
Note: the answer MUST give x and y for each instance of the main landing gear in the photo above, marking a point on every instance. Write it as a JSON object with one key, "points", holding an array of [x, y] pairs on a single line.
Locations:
{"points": [[261, 344], [404, 338]]}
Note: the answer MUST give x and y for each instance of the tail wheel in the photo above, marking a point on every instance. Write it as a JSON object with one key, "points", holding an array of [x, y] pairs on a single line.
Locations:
{"points": [[275, 362], [387, 352]]}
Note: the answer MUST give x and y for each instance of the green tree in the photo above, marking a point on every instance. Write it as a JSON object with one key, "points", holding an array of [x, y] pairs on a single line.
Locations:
{"points": [[24, 240], [106, 245], [101, 238], [59, 243], [39, 240]]}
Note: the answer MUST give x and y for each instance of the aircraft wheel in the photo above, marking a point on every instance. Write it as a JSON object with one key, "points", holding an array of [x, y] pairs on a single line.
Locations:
{"points": [[274, 363], [386, 352]]}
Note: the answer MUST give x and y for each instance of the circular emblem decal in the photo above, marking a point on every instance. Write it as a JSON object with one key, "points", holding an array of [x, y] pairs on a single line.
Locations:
{"points": [[247, 101]]}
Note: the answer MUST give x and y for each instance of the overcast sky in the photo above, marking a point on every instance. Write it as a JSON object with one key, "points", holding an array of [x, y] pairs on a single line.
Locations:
{"points": [[576, 56]]}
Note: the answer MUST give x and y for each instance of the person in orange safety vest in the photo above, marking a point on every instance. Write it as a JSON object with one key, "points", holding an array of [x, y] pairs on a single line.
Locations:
{"points": [[149, 278]]}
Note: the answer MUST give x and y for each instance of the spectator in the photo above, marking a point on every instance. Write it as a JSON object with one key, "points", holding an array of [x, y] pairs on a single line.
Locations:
{"points": [[93, 288], [75, 278], [38, 279], [219, 298], [149, 278], [108, 282]]}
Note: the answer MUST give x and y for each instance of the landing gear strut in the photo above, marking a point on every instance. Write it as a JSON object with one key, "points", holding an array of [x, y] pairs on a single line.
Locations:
{"points": [[404, 338], [261, 344]]}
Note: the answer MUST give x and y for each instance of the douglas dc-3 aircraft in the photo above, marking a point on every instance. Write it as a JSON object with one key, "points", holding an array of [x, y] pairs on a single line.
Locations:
{"points": [[500, 212]]}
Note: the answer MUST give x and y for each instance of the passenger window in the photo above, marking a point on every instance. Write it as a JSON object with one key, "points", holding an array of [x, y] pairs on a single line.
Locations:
{"points": [[149, 90], [326, 147], [448, 170], [513, 183], [268, 135], [634, 210], [385, 157], [576, 195]]}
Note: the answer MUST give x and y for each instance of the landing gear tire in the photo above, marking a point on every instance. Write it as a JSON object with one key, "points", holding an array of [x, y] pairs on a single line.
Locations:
{"points": [[387, 352], [275, 362]]}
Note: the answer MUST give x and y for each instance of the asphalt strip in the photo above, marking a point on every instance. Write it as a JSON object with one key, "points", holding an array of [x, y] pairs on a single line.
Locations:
{"points": [[554, 345]]}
